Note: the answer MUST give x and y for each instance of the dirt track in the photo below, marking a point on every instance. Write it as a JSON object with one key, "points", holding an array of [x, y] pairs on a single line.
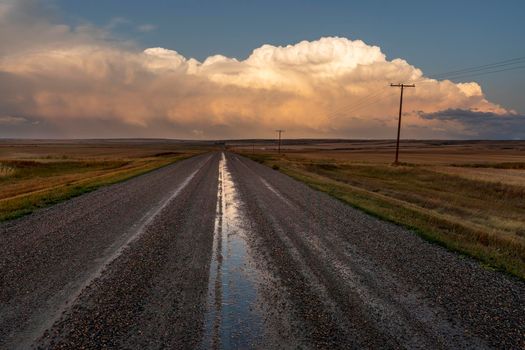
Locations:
{"points": [[220, 252]]}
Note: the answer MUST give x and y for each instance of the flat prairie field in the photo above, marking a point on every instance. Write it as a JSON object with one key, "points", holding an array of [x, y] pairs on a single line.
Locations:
{"points": [[38, 173], [468, 196]]}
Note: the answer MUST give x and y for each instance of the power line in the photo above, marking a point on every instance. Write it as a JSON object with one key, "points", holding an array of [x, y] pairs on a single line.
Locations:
{"points": [[357, 104], [376, 97], [353, 103], [512, 61], [475, 71], [362, 104], [483, 73]]}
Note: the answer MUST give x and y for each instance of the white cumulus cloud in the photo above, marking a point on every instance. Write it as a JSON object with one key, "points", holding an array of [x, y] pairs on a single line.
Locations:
{"points": [[75, 80]]}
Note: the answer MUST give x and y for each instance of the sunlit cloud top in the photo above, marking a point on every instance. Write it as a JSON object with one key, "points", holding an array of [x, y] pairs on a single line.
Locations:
{"points": [[63, 81]]}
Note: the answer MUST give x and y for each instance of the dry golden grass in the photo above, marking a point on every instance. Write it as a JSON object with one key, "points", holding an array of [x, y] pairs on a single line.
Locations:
{"points": [[467, 204], [6, 170], [514, 177], [382, 151], [37, 174]]}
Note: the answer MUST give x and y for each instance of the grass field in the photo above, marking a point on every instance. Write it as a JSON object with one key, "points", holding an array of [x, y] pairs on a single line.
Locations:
{"points": [[474, 203], [469, 197], [35, 174]]}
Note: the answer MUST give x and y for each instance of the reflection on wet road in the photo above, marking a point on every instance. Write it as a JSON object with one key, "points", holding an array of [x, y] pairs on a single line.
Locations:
{"points": [[231, 320], [240, 257]]}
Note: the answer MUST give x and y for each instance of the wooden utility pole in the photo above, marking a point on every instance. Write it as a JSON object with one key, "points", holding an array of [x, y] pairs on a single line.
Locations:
{"points": [[402, 86], [279, 145]]}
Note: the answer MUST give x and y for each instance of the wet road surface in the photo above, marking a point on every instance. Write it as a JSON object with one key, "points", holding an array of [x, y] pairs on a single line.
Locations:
{"points": [[219, 252]]}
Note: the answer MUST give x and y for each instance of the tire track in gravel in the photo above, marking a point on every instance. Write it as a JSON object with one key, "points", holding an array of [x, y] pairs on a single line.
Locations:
{"points": [[330, 264], [383, 283], [50, 256], [221, 252], [153, 294]]}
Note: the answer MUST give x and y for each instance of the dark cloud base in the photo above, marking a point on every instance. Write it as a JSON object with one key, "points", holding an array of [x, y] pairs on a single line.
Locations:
{"points": [[483, 125]]}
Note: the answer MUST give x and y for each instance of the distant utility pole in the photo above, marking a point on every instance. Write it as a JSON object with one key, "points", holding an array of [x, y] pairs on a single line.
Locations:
{"points": [[279, 147], [402, 86]]}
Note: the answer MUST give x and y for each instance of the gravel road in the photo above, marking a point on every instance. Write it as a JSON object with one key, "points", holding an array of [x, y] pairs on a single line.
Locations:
{"points": [[220, 252]]}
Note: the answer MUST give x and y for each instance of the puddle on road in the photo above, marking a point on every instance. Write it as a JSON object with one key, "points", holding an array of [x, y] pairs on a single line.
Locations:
{"points": [[231, 319]]}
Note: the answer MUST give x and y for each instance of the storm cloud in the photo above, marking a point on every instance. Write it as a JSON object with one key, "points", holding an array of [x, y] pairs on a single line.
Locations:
{"points": [[78, 81], [482, 125]]}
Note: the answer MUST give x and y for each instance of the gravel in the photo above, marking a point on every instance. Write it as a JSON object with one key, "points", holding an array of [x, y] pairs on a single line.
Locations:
{"points": [[46, 258], [354, 281], [128, 266], [153, 295]]}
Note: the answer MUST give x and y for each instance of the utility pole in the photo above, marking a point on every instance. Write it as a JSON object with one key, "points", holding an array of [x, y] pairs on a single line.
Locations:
{"points": [[279, 147], [402, 86]]}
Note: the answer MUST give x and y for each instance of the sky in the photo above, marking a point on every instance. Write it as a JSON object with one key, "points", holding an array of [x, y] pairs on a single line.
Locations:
{"points": [[240, 69]]}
